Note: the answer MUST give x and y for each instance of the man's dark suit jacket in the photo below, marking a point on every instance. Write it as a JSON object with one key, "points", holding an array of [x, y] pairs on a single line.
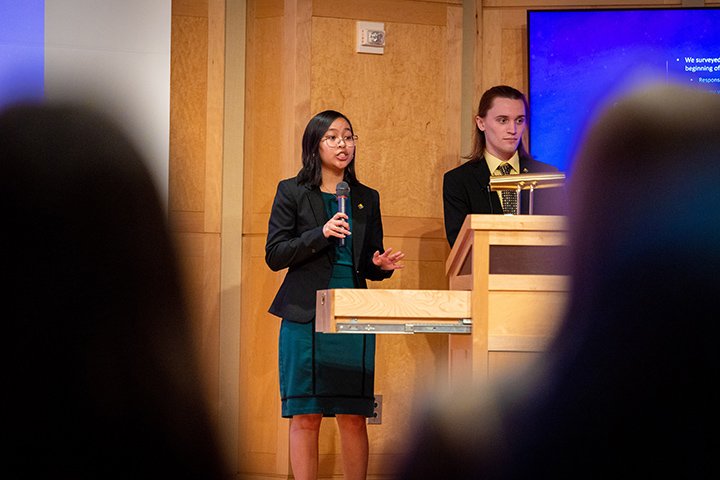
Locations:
{"points": [[466, 190], [295, 241]]}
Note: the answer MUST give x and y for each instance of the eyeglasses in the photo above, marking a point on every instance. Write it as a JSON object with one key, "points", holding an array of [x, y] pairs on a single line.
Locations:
{"points": [[333, 141]]}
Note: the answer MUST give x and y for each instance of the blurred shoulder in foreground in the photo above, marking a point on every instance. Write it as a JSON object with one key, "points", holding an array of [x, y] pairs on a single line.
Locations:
{"points": [[103, 379]]}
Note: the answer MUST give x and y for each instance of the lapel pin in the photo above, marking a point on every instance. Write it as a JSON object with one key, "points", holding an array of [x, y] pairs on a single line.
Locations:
{"points": [[361, 206]]}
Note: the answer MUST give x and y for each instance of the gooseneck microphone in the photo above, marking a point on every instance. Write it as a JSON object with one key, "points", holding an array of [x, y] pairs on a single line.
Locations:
{"points": [[342, 189]]}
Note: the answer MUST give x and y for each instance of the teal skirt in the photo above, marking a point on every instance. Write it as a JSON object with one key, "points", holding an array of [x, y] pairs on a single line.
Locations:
{"points": [[327, 373]]}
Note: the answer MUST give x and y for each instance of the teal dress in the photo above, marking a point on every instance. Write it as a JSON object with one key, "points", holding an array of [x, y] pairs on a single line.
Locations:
{"points": [[327, 373]]}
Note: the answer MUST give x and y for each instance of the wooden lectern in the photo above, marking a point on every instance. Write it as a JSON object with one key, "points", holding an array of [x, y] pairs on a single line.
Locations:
{"points": [[359, 310], [514, 267], [507, 292]]}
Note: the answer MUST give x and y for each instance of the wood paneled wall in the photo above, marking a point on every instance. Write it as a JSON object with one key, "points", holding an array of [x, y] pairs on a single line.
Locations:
{"points": [[246, 77]]}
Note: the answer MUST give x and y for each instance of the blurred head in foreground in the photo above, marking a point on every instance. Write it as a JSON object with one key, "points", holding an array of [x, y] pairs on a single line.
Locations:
{"points": [[103, 380]]}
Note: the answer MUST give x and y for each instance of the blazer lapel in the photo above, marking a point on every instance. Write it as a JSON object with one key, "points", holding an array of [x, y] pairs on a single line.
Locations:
{"points": [[360, 206], [481, 173], [318, 209], [317, 205]]}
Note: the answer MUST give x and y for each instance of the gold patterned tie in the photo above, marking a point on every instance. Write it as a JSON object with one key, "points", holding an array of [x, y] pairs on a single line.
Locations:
{"points": [[509, 197]]}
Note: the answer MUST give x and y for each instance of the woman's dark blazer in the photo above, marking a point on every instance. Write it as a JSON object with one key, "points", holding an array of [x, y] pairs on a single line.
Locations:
{"points": [[295, 241], [466, 189]]}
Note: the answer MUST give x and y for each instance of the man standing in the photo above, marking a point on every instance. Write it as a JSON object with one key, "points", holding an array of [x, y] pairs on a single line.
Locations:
{"points": [[498, 149]]}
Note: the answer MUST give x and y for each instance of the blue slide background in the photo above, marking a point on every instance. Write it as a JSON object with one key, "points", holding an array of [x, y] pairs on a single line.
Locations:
{"points": [[580, 60], [22, 25]]}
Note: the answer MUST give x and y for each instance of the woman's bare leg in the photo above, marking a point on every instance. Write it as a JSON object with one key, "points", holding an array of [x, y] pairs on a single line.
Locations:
{"points": [[354, 445], [304, 437]]}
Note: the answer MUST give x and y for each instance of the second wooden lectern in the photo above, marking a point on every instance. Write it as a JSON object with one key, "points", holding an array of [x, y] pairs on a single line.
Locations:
{"points": [[514, 265], [507, 292]]}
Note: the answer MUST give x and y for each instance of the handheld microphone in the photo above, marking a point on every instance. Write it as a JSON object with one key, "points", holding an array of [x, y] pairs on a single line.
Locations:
{"points": [[342, 189]]}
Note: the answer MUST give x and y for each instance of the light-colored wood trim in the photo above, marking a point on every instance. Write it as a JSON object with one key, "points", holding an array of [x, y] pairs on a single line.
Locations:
{"points": [[529, 283], [516, 343], [215, 107], [231, 238], [480, 305], [543, 237]]}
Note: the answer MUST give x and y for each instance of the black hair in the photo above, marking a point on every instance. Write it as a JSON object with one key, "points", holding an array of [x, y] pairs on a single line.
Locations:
{"points": [[311, 171]]}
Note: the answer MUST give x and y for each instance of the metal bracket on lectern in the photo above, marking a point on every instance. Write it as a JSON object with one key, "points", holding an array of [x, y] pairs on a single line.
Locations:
{"points": [[355, 326], [527, 181]]}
